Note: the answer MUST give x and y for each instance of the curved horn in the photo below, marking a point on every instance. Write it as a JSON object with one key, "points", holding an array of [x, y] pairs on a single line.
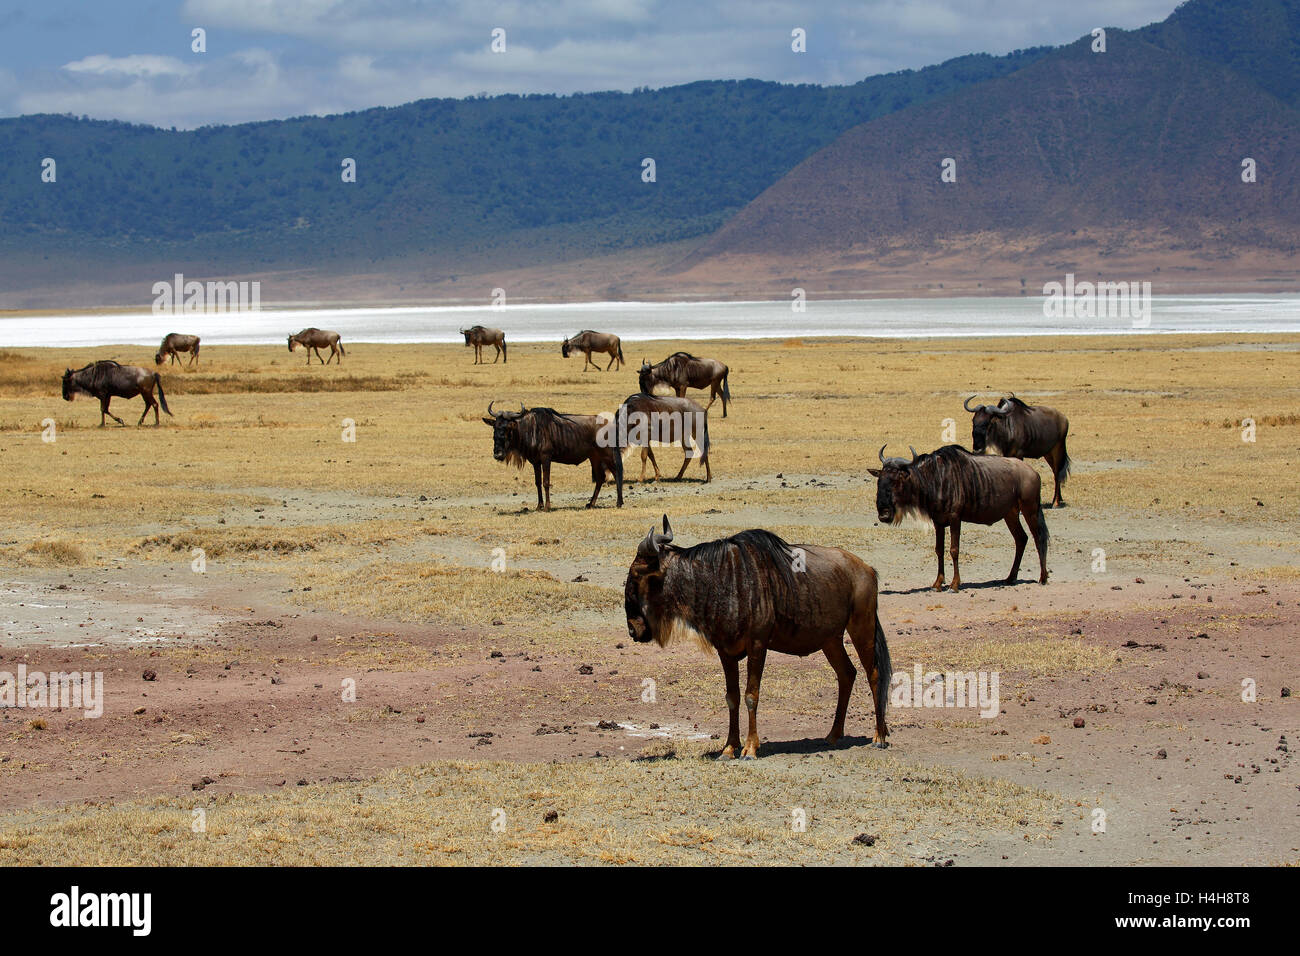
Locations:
{"points": [[966, 405], [659, 540], [521, 408], [492, 413], [881, 454], [914, 454]]}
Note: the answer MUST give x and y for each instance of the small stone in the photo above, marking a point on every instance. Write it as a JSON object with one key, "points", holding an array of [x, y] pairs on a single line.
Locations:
{"points": [[864, 839], [550, 816], [1078, 722], [1161, 754], [150, 674]]}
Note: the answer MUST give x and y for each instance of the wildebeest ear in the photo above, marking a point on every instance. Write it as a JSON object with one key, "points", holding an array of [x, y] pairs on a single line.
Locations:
{"points": [[490, 422], [874, 472]]}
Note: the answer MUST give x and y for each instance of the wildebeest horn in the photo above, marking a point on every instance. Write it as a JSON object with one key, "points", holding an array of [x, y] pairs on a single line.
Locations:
{"points": [[913, 451], [492, 413], [881, 454], [966, 405], [658, 540]]}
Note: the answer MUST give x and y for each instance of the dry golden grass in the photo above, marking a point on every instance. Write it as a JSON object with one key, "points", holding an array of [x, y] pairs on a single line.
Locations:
{"points": [[456, 595], [675, 809]]}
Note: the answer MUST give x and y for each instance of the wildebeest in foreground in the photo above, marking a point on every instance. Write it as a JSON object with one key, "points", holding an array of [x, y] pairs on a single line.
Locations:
{"points": [[681, 371], [745, 595], [952, 485], [541, 436], [1017, 430], [107, 380], [479, 336], [668, 420], [313, 340], [588, 341], [174, 343]]}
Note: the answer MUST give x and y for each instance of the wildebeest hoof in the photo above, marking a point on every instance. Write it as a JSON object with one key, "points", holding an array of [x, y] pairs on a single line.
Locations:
{"points": [[880, 744], [726, 756], [748, 757]]}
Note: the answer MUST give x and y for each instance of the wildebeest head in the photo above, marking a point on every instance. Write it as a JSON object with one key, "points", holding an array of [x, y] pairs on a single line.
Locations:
{"points": [[646, 377], [157, 358], [505, 431], [897, 486], [564, 349], [986, 419], [293, 342], [69, 387], [644, 584]]}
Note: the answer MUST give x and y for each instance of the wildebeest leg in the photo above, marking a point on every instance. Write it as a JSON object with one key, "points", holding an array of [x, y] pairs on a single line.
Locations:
{"points": [[648, 452], [598, 476], [864, 626], [1017, 532], [148, 404], [753, 678], [1053, 459], [612, 359], [846, 675], [546, 482], [955, 550], [1037, 522], [498, 355], [938, 550], [686, 459], [731, 669], [537, 477], [103, 410]]}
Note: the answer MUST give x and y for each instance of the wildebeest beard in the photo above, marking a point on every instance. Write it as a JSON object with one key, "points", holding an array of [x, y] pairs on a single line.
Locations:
{"points": [[744, 584], [939, 483]]}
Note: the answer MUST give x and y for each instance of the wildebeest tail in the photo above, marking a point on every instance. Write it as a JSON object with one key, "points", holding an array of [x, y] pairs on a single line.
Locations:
{"points": [[341, 351], [884, 669], [620, 351], [1063, 472], [726, 387], [1040, 533], [162, 399]]}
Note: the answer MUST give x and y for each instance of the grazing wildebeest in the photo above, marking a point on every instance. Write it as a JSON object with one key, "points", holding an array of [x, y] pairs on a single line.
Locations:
{"points": [[480, 336], [745, 595], [952, 485], [174, 343], [668, 420], [681, 371], [1017, 430], [540, 436], [106, 380], [313, 340], [588, 341]]}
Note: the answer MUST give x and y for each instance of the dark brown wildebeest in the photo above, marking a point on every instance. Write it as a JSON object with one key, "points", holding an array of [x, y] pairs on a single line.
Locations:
{"points": [[668, 420], [313, 340], [106, 380], [745, 595], [588, 341], [681, 371], [541, 436], [952, 485], [1017, 430], [479, 336], [174, 343]]}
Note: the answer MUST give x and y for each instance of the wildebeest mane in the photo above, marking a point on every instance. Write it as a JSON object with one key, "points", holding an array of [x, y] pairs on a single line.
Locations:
{"points": [[948, 477], [761, 567], [98, 373], [543, 425]]}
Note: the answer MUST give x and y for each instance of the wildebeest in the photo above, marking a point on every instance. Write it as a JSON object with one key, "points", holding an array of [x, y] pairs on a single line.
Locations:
{"points": [[541, 436], [1017, 430], [668, 420], [479, 336], [952, 485], [174, 343], [313, 340], [588, 341], [681, 371], [107, 380], [745, 595]]}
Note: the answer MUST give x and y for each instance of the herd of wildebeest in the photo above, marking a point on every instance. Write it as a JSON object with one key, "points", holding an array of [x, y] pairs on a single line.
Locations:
{"points": [[752, 592]]}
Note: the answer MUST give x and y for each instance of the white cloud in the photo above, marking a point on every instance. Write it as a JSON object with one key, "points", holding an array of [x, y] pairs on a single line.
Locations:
{"points": [[138, 64]]}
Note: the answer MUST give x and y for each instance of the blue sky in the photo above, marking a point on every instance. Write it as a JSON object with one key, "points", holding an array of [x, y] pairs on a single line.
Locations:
{"points": [[268, 59]]}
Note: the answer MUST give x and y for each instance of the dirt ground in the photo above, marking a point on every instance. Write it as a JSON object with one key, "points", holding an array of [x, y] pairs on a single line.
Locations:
{"points": [[506, 717]]}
